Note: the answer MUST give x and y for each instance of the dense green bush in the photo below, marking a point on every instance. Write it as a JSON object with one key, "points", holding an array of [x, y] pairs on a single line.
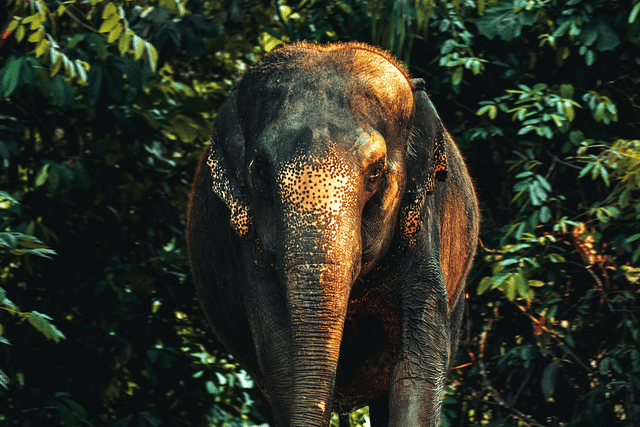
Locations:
{"points": [[106, 106]]}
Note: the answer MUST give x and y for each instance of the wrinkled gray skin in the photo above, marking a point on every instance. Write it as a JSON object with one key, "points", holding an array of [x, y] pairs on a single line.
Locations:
{"points": [[328, 249]]}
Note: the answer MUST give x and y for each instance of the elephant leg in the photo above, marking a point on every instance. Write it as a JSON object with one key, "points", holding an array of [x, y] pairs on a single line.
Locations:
{"points": [[379, 412], [418, 377], [344, 420]]}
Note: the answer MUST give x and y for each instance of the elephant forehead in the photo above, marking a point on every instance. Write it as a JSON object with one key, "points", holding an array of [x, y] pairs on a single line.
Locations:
{"points": [[324, 185], [384, 79]]}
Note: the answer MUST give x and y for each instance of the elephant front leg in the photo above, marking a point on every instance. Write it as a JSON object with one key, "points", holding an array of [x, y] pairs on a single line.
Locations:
{"points": [[418, 378]]}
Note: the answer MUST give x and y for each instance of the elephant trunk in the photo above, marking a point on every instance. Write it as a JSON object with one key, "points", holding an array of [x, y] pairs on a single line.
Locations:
{"points": [[317, 314], [318, 260], [318, 287]]}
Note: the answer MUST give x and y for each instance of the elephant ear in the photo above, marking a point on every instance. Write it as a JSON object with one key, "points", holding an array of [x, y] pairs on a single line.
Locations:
{"points": [[427, 158], [226, 159]]}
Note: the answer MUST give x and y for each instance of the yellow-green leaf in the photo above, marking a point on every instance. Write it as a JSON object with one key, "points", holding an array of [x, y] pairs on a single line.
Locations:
{"points": [[152, 56], [568, 111], [84, 65], [125, 40], [55, 66], [37, 36], [108, 24], [38, 21], [42, 176], [138, 47], [68, 66], [108, 10], [493, 112], [82, 72], [41, 47], [20, 33], [13, 25], [61, 9], [115, 33]]}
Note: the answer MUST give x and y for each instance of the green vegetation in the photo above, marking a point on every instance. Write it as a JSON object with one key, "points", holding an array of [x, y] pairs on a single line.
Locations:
{"points": [[106, 106]]}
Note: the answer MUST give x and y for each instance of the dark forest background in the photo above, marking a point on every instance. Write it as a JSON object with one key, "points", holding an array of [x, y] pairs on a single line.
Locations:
{"points": [[105, 108]]}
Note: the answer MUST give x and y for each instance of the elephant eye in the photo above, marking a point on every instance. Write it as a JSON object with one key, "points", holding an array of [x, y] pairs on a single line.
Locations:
{"points": [[374, 177], [261, 175]]}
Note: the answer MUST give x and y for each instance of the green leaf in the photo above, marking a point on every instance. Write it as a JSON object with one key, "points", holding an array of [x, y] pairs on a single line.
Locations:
{"points": [[94, 83], [456, 76], [616, 365], [11, 75], [545, 214], [523, 287], [509, 261], [42, 323], [448, 47], [608, 38], [66, 416], [483, 110], [42, 176], [8, 240], [58, 95], [634, 13], [633, 238], [548, 381], [7, 196], [536, 283], [504, 21], [77, 410], [484, 285], [524, 174], [556, 258], [42, 252], [510, 288], [30, 242], [543, 182]]}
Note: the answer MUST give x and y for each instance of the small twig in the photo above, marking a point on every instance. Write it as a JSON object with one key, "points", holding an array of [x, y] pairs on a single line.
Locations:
{"points": [[514, 399], [75, 18], [557, 159]]}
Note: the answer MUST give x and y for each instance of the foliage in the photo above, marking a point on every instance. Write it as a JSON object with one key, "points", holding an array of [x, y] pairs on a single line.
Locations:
{"points": [[107, 105], [104, 113], [559, 267]]}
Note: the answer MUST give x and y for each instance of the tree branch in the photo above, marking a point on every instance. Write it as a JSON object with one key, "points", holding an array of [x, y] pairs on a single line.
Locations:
{"points": [[486, 382]]}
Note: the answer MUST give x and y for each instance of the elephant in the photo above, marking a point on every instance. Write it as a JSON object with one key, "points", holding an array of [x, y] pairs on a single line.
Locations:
{"points": [[331, 227]]}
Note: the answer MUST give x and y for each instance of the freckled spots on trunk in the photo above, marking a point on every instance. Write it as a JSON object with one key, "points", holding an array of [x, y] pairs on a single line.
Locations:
{"points": [[316, 186]]}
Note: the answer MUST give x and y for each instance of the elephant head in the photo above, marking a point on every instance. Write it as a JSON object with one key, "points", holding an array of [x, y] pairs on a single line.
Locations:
{"points": [[321, 157]]}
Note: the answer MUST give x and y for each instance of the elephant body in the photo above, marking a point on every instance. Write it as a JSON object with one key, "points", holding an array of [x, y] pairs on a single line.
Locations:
{"points": [[331, 228]]}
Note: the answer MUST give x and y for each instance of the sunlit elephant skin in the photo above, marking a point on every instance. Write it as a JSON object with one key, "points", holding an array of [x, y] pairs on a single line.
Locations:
{"points": [[331, 228]]}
